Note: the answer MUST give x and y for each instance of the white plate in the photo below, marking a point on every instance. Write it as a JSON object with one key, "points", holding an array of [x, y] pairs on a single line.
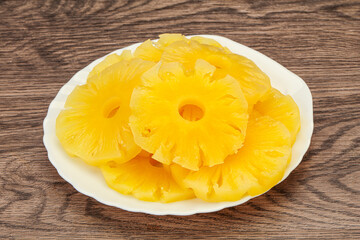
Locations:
{"points": [[89, 181]]}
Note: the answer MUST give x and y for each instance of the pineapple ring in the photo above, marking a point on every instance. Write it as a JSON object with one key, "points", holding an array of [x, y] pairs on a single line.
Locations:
{"points": [[282, 108], [150, 51], [108, 61], [191, 120], [168, 38], [94, 123], [254, 83], [146, 179], [257, 167], [207, 41], [177, 48]]}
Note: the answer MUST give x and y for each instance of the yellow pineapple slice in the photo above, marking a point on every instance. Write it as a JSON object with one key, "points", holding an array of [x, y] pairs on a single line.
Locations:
{"points": [[94, 123], [145, 179], [210, 42], [169, 38], [147, 51], [151, 51], [207, 41], [253, 81], [282, 108], [177, 48], [190, 120], [110, 60], [126, 55], [258, 165]]}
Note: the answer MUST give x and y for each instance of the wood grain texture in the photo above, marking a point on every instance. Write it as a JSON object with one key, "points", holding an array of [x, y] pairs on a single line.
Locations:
{"points": [[43, 43]]}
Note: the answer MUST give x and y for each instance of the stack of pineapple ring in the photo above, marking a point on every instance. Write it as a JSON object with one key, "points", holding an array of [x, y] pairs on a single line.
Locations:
{"points": [[181, 118]]}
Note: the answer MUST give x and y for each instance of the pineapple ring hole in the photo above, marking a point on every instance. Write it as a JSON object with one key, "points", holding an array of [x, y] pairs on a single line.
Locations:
{"points": [[155, 163], [191, 111], [111, 107]]}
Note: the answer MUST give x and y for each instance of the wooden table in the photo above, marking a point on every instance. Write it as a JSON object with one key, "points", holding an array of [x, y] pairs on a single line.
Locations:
{"points": [[43, 43]]}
